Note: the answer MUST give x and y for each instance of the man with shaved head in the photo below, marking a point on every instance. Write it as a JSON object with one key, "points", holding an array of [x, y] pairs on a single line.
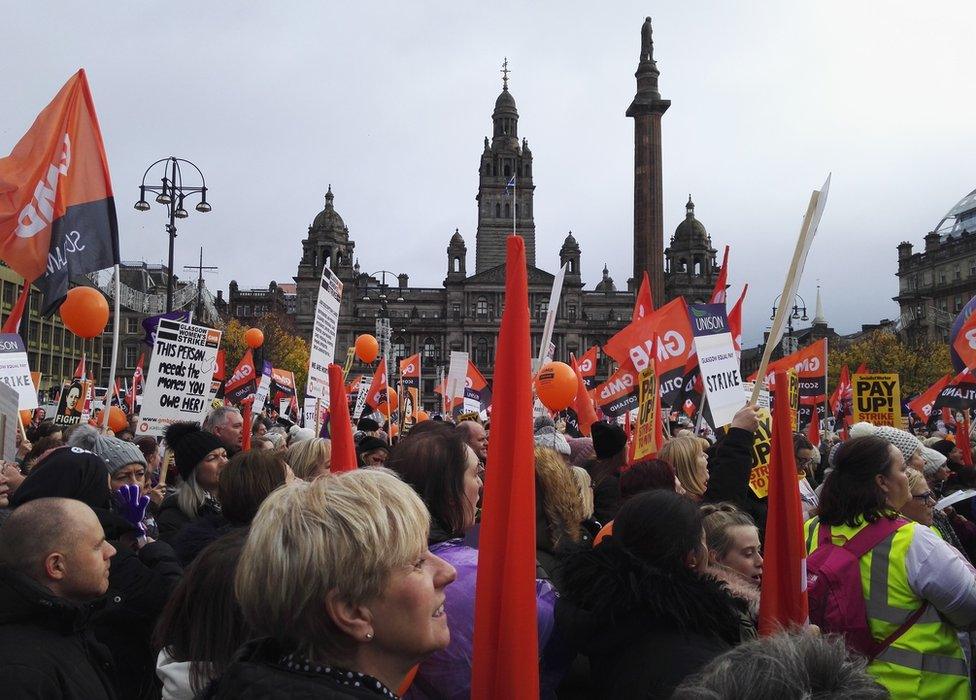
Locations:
{"points": [[54, 561], [473, 433]]}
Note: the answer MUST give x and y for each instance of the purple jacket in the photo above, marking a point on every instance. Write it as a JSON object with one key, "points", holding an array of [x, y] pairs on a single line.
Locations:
{"points": [[447, 674]]}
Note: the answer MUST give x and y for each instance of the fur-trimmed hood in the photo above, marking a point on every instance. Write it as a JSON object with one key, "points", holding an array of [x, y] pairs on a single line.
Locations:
{"points": [[609, 596], [740, 586]]}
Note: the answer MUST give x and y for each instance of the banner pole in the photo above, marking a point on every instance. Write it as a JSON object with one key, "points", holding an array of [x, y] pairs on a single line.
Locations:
{"points": [[110, 387]]}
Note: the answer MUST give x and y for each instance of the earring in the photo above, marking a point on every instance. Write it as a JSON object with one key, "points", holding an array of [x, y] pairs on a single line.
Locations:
{"points": [[369, 636]]}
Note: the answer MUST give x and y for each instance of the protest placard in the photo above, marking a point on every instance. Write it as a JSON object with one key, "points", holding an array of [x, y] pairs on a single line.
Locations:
{"points": [[180, 373], [717, 360], [876, 399], [9, 421], [645, 443], [761, 448], [15, 372], [264, 386], [73, 405], [322, 348]]}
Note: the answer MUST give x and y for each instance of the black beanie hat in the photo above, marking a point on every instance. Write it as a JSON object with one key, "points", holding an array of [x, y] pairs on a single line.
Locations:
{"points": [[608, 439], [190, 444], [67, 472]]}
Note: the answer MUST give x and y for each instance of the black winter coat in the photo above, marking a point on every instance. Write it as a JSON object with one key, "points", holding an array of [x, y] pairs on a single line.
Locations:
{"points": [[46, 647], [643, 629], [256, 674], [729, 467], [139, 584]]}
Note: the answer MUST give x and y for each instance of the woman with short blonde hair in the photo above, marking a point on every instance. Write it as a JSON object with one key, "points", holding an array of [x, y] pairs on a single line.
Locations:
{"points": [[687, 456], [310, 458], [336, 575]]}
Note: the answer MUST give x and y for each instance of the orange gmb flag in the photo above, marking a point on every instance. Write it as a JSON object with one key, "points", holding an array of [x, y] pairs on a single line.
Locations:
{"points": [[376, 396], [783, 600], [922, 404], [965, 342], [57, 212], [644, 304], [587, 366], [340, 427], [506, 646], [583, 403]]}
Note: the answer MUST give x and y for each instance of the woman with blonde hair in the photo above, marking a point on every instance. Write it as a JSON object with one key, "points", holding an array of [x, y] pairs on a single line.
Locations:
{"points": [[310, 459], [687, 455], [558, 514], [734, 552], [339, 588]]}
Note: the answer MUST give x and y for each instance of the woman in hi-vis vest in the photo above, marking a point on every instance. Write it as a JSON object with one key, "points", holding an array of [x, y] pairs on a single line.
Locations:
{"points": [[908, 569]]}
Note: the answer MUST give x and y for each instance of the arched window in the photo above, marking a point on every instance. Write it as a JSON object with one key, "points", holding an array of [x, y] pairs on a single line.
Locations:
{"points": [[430, 350], [572, 265], [508, 210], [399, 347], [481, 308], [508, 170], [698, 266], [682, 265], [498, 210], [457, 264], [482, 352]]}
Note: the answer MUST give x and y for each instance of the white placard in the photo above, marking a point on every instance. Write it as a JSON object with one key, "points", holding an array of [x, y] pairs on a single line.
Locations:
{"points": [[264, 386], [15, 372], [457, 375], [322, 346], [364, 385], [178, 381], [546, 348], [717, 361], [9, 421]]}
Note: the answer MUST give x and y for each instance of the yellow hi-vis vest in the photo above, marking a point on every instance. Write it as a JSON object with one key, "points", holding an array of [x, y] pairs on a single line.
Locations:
{"points": [[926, 661]]}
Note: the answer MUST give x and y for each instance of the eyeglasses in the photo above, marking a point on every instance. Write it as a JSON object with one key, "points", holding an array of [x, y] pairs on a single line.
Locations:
{"points": [[924, 497], [807, 462]]}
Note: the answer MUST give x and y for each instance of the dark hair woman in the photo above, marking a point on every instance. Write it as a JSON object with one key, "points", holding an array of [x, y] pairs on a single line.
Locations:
{"points": [[202, 625], [443, 469], [909, 567], [645, 475], [639, 605]]}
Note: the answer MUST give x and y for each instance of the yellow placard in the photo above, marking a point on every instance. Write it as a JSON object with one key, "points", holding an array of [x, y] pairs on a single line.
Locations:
{"points": [[645, 442], [876, 399]]}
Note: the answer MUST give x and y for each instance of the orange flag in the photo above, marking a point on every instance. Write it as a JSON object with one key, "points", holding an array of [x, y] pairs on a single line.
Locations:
{"points": [[57, 213], [12, 324], [644, 304], [735, 319], [783, 599], [718, 293], [583, 403], [506, 645], [340, 427], [965, 342]]}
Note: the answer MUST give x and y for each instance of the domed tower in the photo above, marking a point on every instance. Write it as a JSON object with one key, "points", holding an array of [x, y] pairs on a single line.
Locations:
{"points": [[504, 186], [569, 255], [457, 254], [328, 243], [690, 260], [606, 284]]}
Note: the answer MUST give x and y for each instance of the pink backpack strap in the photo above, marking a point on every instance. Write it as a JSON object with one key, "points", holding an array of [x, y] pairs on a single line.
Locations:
{"points": [[868, 538]]}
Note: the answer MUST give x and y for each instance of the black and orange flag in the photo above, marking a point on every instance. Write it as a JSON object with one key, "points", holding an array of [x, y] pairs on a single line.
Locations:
{"points": [[506, 646], [57, 212]]}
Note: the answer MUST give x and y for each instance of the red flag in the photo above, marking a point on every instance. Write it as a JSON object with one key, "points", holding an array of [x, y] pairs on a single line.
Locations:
{"points": [[947, 417], [841, 391], [376, 396], [644, 304], [13, 320], [735, 319], [244, 381], [57, 213], [587, 366], [718, 293], [506, 653], [783, 600], [965, 342], [136, 380], [922, 404], [80, 368], [863, 369], [583, 403], [813, 429], [962, 440], [247, 411], [340, 427]]}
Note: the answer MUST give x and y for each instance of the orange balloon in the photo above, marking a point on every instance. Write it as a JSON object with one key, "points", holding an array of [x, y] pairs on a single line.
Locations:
{"points": [[421, 416], [394, 401], [84, 312], [556, 385], [367, 348], [254, 338]]}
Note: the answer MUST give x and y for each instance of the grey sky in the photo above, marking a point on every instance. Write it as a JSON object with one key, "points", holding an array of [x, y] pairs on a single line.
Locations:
{"points": [[389, 103]]}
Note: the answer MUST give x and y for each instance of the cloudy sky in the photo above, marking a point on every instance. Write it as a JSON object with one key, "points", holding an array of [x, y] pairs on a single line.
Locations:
{"points": [[389, 102]]}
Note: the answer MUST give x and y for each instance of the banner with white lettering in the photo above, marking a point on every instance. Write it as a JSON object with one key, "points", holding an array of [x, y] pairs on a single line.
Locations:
{"points": [[15, 372], [717, 360], [264, 387], [322, 347], [178, 380]]}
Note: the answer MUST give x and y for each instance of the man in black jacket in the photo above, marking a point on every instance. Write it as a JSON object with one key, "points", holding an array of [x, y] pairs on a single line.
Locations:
{"points": [[54, 560]]}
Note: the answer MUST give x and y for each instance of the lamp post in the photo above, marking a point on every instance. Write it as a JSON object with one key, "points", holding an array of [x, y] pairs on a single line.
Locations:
{"points": [[172, 194], [798, 312], [383, 321]]}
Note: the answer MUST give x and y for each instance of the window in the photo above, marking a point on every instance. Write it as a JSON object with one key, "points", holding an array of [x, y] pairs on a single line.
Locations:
{"points": [[45, 364], [430, 350], [942, 277], [508, 210], [481, 308], [958, 273], [399, 347], [972, 268], [498, 210], [46, 334], [131, 356], [572, 266], [8, 293], [131, 324], [571, 311], [958, 306], [457, 264]]}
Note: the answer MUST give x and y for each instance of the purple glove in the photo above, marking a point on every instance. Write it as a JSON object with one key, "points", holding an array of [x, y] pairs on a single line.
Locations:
{"points": [[132, 506]]}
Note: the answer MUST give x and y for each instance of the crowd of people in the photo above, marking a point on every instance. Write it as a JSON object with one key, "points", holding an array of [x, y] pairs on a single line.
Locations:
{"points": [[214, 571]]}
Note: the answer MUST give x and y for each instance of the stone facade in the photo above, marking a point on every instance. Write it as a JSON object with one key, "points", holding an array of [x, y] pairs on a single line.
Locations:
{"points": [[465, 311], [935, 284], [690, 266]]}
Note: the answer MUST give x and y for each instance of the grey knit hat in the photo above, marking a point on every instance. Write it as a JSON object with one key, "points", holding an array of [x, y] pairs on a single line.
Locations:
{"points": [[904, 442], [116, 453], [548, 437], [933, 461]]}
